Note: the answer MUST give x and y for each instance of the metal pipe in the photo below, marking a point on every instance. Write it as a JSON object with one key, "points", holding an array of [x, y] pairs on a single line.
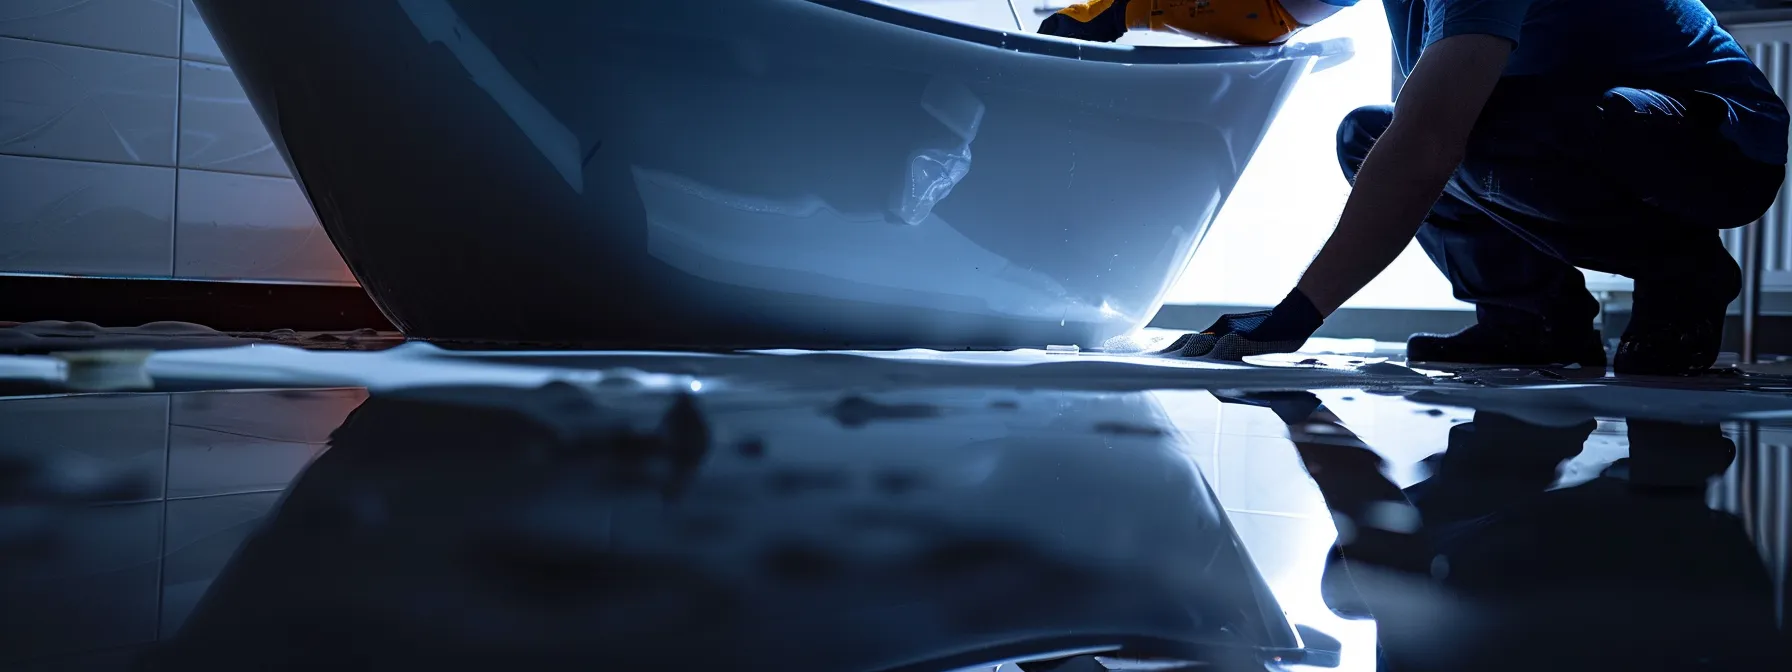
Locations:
{"points": [[1751, 288], [1019, 25], [1750, 17], [1399, 80]]}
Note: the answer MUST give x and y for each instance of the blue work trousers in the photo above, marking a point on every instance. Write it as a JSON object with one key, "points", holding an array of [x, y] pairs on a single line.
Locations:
{"points": [[1631, 181]]}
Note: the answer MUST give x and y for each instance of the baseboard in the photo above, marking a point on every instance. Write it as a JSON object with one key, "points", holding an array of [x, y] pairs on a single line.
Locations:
{"points": [[225, 306]]}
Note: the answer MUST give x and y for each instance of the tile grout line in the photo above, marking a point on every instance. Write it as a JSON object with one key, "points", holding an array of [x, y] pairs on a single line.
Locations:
{"points": [[1279, 514], [162, 541], [1219, 488], [187, 498], [110, 50], [127, 164], [180, 74], [283, 282], [180, 108], [234, 493]]}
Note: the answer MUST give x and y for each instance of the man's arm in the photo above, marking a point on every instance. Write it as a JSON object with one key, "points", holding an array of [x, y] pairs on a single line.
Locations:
{"points": [[1406, 170]]}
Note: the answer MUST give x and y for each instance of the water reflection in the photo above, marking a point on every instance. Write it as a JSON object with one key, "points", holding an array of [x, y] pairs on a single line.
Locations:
{"points": [[1488, 565], [118, 510], [568, 527], [607, 527]]}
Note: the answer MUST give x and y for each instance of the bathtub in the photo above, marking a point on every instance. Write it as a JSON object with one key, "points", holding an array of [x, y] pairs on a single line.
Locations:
{"points": [[749, 173]]}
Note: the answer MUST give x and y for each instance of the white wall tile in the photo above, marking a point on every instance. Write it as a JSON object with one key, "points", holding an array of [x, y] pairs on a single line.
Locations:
{"points": [[85, 218], [79, 103], [102, 104], [141, 26], [249, 227], [219, 130], [235, 442], [195, 39]]}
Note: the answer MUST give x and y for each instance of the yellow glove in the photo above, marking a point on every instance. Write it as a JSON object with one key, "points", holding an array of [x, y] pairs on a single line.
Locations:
{"points": [[1229, 21]]}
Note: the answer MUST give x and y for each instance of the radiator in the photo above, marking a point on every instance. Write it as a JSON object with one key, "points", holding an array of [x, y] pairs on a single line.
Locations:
{"points": [[1758, 489], [1770, 45]]}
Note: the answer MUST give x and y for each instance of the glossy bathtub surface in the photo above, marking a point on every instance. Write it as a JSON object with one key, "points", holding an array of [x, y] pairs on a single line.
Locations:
{"points": [[752, 173]]}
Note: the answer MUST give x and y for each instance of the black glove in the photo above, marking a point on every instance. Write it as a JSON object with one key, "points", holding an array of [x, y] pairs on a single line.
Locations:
{"points": [[1233, 337], [1106, 26]]}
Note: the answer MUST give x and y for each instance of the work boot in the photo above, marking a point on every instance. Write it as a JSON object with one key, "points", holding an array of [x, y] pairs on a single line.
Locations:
{"points": [[1677, 323], [1510, 345], [1685, 345]]}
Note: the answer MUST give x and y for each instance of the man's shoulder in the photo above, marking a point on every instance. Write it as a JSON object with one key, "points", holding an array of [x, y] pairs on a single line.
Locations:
{"points": [[1500, 18], [1475, 6]]}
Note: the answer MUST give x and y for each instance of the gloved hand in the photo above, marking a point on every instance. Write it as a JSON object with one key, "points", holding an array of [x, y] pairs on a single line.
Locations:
{"points": [[1239, 335], [1094, 21]]}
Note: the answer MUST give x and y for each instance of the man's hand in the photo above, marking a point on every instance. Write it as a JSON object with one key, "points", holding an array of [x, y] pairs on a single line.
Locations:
{"points": [[1236, 336], [1406, 170]]}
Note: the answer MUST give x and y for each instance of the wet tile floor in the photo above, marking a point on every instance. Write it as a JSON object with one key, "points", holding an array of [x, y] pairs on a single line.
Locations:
{"points": [[268, 507]]}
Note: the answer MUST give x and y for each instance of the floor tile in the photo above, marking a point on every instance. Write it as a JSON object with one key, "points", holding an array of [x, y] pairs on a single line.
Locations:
{"points": [[122, 437], [1265, 475], [234, 442], [93, 588], [202, 536], [1290, 554]]}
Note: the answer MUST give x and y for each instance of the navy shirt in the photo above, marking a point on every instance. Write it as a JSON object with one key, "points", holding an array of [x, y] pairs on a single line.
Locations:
{"points": [[1635, 43]]}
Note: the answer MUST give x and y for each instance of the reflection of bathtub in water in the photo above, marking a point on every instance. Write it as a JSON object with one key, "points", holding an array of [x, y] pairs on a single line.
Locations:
{"points": [[810, 173], [922, 530]]}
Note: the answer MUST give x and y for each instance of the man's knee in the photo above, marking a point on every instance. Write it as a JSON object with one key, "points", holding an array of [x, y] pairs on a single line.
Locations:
{"points": [[1357, 133], [1669, 150], [1626, 105]]}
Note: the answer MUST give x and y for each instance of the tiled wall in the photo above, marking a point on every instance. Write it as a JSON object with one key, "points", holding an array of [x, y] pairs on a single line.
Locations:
{"points": [[128, 572], [127, 148]]}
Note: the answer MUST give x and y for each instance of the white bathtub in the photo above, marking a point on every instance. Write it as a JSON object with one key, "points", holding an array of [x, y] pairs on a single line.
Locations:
{"points": [[749, 173]]}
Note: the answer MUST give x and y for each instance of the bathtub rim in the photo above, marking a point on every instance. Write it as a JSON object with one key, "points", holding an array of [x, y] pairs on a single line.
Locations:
{"points": [[1028, 42]]}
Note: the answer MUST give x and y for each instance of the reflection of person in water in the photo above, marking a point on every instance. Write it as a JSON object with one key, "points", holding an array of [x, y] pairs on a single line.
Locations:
{"points": [[1485, 566]]}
